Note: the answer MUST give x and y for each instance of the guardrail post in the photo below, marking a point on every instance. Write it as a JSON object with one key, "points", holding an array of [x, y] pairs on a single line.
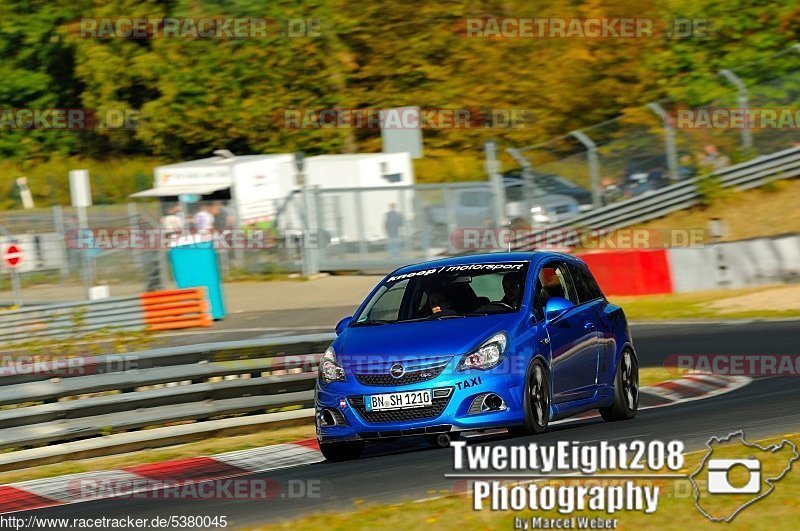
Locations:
{"points": [[362, 233], [133, 225], [531, 189], [747, 136], [310, 258], [496, 181], [669, 139], [407, 231], [87, 262], [594, 165], [58, 225], [322, 239], [450, 217]]}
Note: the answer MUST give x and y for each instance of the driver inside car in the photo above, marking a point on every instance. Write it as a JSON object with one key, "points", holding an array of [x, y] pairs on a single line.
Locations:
{"points": [[511, 289], [439, 304]]}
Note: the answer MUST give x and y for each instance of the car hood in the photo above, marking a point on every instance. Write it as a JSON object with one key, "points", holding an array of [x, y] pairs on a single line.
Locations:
{"points": [[432, 339]]}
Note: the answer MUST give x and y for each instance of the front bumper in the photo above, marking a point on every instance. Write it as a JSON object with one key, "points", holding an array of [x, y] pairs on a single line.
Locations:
{"points": [[450, 413]]}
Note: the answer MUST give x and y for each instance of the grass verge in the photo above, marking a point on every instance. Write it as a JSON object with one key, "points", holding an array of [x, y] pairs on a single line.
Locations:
{"points": [[653, 375], [707, 305], [676, 509]]}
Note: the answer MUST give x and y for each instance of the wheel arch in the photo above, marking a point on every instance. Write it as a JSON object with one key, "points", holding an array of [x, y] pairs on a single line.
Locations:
{"points": [[627, 345]]}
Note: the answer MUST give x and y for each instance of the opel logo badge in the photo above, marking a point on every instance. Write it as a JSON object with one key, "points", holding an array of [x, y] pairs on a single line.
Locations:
{"points": [[397, 370]]}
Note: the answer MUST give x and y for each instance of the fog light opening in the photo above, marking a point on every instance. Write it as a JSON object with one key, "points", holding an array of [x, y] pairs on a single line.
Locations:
{"points": [[327, 418], [443, 440], [492, 402]]}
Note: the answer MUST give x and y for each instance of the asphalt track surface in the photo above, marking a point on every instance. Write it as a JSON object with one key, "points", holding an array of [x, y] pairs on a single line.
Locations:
{"points": [[410, 470]]}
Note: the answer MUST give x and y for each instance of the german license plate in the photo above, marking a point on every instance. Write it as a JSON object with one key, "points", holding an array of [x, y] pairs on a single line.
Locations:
{"points": [[403, 400]]}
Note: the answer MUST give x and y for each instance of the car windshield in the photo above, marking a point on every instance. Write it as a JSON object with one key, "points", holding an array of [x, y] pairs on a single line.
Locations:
{"points": [[447, 292]]}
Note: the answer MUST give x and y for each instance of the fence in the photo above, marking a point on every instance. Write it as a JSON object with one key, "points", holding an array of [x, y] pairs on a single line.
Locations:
{"points": [[384, 227], [344, 229], [52, 254], [669, 141], [781, 165], [79, 398]]}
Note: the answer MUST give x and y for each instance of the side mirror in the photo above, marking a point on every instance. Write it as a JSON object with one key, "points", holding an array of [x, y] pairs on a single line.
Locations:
{"points": [[555, 308], [341, 325]]}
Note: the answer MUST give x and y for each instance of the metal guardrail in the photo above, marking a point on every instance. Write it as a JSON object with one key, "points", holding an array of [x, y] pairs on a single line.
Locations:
{"points": [[59, 401], [160, 310], [62, 320], [751, 174]]}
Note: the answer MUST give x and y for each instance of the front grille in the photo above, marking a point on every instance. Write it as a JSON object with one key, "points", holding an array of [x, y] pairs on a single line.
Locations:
{"points": [[398, 415], [412, 377]]}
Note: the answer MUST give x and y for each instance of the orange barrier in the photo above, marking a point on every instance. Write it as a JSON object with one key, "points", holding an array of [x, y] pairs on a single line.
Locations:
{"points": [[177, 308]]}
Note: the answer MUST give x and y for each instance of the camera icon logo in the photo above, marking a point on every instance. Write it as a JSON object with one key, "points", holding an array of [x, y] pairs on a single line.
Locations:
{"points": [[719, 481], [726, 483]]}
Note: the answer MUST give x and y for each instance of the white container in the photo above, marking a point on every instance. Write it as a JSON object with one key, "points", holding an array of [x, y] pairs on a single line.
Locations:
{"points": [[367, 174]]}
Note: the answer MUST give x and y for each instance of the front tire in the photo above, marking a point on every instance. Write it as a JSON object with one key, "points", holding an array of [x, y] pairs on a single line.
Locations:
{"points": [[536, 402], [341, 451], [626, 390]]}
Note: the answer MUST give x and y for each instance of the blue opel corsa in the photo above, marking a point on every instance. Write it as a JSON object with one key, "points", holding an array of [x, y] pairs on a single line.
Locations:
{"points": [[502, 340]]}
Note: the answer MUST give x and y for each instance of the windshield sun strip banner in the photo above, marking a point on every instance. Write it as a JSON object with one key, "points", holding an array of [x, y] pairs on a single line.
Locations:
{"points": [[507, 266]]}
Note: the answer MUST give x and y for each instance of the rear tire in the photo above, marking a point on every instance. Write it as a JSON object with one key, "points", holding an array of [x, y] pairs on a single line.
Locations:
{"points": [[536, 402], [626, 390], [341, 451]]}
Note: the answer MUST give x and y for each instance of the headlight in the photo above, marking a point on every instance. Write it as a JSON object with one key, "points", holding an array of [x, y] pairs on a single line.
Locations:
{"points": [[487, 356], [329, 368]]}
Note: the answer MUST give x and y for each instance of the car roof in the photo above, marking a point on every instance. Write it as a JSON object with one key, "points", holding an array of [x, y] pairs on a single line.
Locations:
{"points": [[482, 258]]}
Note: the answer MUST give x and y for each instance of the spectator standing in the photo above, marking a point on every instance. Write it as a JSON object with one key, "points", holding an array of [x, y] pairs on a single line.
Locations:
{"points": [[393, 223], [172, 221], [713, 159], [203, 219], [223, 216]]}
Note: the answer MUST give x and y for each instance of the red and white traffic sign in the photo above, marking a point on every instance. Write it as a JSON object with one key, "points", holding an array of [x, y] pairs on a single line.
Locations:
{"points": [[12, 256]]}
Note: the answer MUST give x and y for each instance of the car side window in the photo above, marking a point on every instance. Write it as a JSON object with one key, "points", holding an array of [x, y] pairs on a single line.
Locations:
{"points": [[567, 283], [594, 289], [584, 283], [554, 280]]}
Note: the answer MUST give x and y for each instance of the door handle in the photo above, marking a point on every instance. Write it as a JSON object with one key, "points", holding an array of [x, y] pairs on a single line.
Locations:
{"points": [[588, 326]]}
